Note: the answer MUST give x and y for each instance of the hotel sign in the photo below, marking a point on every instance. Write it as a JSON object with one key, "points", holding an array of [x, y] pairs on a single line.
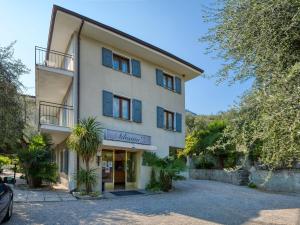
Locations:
{"points": [[114, 135]]}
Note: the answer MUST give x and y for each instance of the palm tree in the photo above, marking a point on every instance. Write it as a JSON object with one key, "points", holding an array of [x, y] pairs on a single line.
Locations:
{"points": [[85, 139]]}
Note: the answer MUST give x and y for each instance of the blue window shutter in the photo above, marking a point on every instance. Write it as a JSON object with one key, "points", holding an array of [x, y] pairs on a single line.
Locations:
{"points": [[136, 68], [178, 122], [136, 111], [159, 77], [178, 85], [107, 57], [160, 117], [107, 103]]}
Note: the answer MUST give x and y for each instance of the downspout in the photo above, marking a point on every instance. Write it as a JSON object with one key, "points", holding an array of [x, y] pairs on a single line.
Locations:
{"points": [[78, 80]]}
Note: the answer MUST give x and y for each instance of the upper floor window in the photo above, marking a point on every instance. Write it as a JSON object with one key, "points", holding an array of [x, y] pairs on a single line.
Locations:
{"points": [[168, 120], [120, 63], [121, 108], [172, 83], [168, 81]]}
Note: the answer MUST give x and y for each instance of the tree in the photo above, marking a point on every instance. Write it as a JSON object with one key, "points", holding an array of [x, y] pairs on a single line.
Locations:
{"points": [[11, 102], [35, 160], [85, 139], [260, 40]]}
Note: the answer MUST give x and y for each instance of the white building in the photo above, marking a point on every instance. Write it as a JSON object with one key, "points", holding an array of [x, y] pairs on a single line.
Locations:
{"points": [[134, 89]]}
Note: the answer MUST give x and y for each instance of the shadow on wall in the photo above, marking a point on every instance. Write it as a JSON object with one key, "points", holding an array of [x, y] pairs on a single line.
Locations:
{"points": [[192, 202]]}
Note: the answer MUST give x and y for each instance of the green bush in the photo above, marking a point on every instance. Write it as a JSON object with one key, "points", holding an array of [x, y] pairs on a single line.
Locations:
{"points": [[252, 185], [35, 161], [169, 169], [87, 178], [202, 163], [153, 185], [4, 160]]}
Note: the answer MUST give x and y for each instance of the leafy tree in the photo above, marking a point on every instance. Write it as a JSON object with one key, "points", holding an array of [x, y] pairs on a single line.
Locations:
{"points": [[11, 102], [168, 169], [260, 40], [35, 160], [4, 160], [85, 139]]}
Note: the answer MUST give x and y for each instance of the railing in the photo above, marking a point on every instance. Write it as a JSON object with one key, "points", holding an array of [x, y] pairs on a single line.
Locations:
{"points": [[55, 114], [53, 59]]}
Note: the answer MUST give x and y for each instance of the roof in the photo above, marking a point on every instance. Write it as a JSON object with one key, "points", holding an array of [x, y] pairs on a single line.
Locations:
{"points": [[116, 31]]}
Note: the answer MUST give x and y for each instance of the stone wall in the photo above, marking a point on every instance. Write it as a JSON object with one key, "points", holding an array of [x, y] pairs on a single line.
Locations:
{"points": [[237, 177], [283, 180]]}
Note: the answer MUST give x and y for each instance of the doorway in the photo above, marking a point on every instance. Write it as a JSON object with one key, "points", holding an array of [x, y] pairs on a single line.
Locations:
{"points": [[119, 175]]}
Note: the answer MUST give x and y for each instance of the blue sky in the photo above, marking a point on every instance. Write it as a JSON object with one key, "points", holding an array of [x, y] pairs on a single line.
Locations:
{"points": [[173, 25]]}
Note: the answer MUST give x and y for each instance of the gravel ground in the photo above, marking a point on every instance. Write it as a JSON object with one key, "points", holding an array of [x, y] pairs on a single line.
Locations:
{"points": [[193, 202]]}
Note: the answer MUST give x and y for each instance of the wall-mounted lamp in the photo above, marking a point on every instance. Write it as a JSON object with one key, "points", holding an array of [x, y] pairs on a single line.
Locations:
{"points": [[98, 157]]}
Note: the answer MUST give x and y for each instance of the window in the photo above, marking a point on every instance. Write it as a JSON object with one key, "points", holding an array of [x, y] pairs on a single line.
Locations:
{"points": [[168, 120], [120, 63], [168, 81], [121, 108]]}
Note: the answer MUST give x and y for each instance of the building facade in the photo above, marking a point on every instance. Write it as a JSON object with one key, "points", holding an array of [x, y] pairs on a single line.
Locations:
{"points": [[134, 89]]}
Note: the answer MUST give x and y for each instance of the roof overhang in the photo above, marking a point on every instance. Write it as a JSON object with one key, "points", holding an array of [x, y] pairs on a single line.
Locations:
{"points": [[65, 22]]}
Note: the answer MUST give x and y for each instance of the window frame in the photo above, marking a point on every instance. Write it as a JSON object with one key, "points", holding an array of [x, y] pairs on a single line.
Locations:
{"points": [[168, 77], [166, 120], [120, 106], [121, 58]]}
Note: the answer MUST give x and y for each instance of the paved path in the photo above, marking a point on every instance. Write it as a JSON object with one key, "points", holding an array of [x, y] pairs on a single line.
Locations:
{"points": [[193, 202]]}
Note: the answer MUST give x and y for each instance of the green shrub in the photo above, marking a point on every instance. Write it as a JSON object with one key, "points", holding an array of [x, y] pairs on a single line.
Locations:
{"points": [[4, 160], [169, 168], [153, 185], [252, 185], [87, 178], [35, 161]]}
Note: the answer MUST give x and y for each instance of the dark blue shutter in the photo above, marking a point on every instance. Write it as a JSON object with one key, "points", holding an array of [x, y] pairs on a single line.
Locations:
{"points": [[159, 77], [178, 122], [136, 111], [160, 117], [136, 67], [178, 85], [107, 57], [107, 103]]}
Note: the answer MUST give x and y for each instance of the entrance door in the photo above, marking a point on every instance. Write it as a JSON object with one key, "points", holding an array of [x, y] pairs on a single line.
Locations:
{"points": [[119, 179]]}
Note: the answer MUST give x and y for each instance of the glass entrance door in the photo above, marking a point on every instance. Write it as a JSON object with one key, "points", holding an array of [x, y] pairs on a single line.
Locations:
{"points": [[119, 176]]}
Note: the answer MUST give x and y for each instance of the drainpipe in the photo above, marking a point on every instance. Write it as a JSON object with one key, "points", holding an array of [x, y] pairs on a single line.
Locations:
{"points": [[78, 80]]}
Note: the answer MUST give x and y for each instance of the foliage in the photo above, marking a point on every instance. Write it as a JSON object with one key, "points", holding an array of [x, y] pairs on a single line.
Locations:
{"points": [[85, 139], [11, 102], [86, 177], [35, 160], [153, 185], [260, 40], [4, 160], [169, 168], [252, 185], [207, 141]]}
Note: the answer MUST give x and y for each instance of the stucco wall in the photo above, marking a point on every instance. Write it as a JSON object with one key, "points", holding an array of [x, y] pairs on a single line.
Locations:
{"points": [[283, 180], [237, 177], [94, 77]]}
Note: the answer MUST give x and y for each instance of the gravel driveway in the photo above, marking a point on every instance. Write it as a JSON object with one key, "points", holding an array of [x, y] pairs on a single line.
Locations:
{"points": [[193, 202]]}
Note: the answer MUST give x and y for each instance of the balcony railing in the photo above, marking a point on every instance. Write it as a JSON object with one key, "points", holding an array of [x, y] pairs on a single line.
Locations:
{"points": [[53, 59], [56, 114]]}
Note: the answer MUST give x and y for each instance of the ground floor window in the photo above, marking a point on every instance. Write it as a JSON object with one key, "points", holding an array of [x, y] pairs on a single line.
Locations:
{"points": [[107, 166], [131, 166]]}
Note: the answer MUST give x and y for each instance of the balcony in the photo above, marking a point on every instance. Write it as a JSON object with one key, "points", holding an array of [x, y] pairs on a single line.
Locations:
{"points": [[54, 74], [53, 59], [56, 120]]}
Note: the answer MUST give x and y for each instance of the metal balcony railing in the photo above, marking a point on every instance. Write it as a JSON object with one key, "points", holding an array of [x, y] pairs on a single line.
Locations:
{"points": [[53, 59], [56, 114]]}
